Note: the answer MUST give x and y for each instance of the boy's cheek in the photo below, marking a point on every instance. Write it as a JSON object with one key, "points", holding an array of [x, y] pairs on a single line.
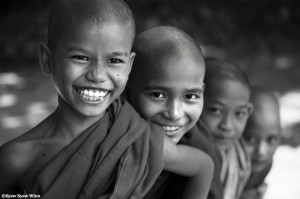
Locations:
{"points": [[144, 106], [250, 149]]}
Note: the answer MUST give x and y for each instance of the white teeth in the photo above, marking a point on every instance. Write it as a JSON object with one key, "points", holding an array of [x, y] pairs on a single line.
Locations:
{"points": [[96, 94], [171, 128], [92, 95]]}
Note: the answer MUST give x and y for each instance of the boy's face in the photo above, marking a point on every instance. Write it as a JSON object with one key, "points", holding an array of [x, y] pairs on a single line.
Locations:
{"points": [[262, 136], [170, 94], [90, 64], [226, 110]]}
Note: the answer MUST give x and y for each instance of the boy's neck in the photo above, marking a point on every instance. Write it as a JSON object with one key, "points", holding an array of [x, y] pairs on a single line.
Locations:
{"points": [[70, 121]]}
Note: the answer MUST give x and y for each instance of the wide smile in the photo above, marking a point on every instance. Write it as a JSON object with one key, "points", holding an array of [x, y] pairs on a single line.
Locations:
{"points": [[92, 95], [171, 130]]}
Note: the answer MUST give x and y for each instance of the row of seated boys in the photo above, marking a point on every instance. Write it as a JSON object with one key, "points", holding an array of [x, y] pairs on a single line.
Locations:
{"points": [[245, 124], [96, 145]]}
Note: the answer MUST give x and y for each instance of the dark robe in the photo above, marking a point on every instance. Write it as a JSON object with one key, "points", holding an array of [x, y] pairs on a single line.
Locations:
{"points": [[118, 157], [256, 182], [170, 186]]}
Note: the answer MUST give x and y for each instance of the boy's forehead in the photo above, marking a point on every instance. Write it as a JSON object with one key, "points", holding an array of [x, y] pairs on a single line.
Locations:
{"points": [[174, 68], [224, 69], [262, 127], [266, 112], [222, 86], [163, 52], [166, 60], [227, 93], [78, 9], [71, 14]]}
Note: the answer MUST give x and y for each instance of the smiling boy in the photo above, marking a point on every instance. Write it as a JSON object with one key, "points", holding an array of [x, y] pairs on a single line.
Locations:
{"points": [[262, 135], [166, 87], [88, 55], [94, 145], [226, 111]]}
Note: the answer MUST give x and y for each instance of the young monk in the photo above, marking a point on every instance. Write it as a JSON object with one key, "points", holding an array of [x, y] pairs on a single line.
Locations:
{"points": [[166, 87], [226, 110], [94, 145], [262, 135]]}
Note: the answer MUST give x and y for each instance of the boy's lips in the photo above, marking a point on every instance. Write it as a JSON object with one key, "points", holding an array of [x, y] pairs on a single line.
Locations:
{"points": [[224, 140], [260, 160], [92, 95], [171, 130]]}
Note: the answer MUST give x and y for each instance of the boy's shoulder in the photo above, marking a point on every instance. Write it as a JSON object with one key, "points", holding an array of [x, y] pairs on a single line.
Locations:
{"points": [[15, 157], [18, 154]]}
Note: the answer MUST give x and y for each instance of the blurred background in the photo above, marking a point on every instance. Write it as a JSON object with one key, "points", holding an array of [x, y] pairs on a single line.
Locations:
{"points": [[262, 36]]}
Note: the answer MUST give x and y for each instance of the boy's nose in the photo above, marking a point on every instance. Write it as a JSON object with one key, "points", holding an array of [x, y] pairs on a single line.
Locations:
{"points": [[262, 149], [174, 110], [226, 123], [97, 73]]}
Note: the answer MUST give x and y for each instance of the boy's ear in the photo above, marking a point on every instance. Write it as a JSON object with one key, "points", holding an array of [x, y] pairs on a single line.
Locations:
{"points": [[131, 60], [45, 58], [250, 109]]}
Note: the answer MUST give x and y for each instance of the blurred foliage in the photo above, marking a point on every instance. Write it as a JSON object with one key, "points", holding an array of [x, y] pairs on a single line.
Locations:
{"points": [[258, 34]]}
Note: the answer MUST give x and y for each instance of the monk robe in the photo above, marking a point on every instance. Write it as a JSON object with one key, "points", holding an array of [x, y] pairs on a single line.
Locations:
{"points": [[257, 183], [236, 169], [118, 157], [170, 186]]}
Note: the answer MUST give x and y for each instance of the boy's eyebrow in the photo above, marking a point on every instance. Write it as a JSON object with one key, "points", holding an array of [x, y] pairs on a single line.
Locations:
{"points": [[193, 90], [78, 48], [243, 106], [151, 87], [224, 104], [119, 53]]}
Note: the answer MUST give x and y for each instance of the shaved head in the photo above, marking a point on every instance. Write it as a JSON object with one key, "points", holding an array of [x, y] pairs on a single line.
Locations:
{"points": [[166, 81], [156, 45], [66, 13], [224, 69], [262, 133], [266, 108]]}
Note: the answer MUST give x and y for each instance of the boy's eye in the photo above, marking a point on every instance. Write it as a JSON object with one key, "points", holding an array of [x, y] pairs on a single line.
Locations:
{"points": [[215, 111], [115, 61], [241, 114], [250, 140], [157, 95], [80, 58], [272, 140], [191, 96]]}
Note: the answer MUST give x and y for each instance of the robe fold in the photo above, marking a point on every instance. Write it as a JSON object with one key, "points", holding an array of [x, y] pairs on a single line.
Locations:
{"points": [[120, 156], [257, 183], [236, 169]]}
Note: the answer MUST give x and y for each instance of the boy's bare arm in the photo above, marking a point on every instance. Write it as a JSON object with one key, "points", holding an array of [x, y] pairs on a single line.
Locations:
{"points": [[191, 162], [182, 159], [197, 187]]}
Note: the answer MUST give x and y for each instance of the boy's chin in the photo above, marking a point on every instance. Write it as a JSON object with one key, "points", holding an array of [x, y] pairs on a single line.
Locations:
{"points": [[258, 167], [224, 146]]}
